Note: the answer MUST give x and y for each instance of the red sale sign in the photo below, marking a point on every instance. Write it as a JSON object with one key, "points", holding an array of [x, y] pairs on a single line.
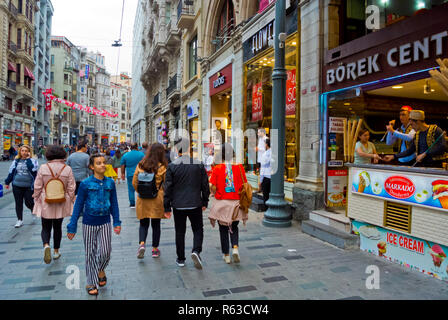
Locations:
{"points": [[257, 102], [399, 187], [291, 93]]}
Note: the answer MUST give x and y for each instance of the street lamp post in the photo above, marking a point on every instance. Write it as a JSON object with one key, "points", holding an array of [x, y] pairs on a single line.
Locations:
{"points": [[277, 215]]}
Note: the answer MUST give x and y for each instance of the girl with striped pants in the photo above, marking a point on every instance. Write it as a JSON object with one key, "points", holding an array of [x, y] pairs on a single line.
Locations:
{"points": [[97, 200]]}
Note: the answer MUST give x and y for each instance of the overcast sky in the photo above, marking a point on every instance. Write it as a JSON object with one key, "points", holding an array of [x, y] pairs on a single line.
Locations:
{"points": [[95, 24]]}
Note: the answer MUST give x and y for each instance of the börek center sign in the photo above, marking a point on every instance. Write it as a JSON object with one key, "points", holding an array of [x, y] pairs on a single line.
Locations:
{"points": [[411, 45]]}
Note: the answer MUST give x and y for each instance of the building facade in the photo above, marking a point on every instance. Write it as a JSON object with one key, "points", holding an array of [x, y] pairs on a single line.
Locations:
{"points": [[16, 72], [42, 69], [124, 86], [139, 102]]}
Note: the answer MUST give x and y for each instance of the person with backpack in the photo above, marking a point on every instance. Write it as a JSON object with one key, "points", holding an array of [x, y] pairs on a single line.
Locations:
{"points": [[147, 181], [186, 192], [22, 174], [227, 180], [97, 199], [54, 195]]}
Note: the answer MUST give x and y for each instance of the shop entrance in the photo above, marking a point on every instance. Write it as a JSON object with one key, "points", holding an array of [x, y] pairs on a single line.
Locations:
{"points": [[221, 124]]}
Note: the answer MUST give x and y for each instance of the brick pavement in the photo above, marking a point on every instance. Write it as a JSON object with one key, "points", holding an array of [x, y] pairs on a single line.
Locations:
{"points": [[275, 264]]}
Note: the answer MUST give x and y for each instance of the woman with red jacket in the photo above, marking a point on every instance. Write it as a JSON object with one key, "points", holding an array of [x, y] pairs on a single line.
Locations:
{"points": [[227, 179]]}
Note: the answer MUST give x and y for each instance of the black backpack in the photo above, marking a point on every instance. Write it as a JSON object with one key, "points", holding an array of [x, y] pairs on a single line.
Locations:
{"points": [[146, 185]]}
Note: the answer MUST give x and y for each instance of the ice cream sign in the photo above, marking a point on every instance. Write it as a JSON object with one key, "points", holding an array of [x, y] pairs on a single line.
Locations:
{"points": [[415, 189]]}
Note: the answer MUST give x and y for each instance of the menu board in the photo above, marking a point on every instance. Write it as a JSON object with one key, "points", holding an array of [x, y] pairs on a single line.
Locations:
{"points": [[337, 188], [413, 188]]}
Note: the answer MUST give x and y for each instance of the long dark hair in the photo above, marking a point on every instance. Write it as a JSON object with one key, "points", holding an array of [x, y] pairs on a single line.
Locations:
{"points": [[153, 157], [118, 154]]}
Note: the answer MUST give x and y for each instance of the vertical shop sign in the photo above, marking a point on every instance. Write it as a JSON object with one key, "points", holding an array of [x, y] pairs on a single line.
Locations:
{"points": [[291, 93], [257, 102]]}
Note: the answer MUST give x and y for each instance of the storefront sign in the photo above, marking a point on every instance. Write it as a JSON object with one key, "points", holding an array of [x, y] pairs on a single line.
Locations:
{"points": [[291, 91], [411, 45], [221, 80], [337, 188], [257, 102], [336, 163], [418, 190], [336, 125], [259, 41], [193, 109], [414, 253]]}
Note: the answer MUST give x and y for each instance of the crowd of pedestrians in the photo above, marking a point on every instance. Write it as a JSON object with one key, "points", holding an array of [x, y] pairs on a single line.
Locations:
{"points": [[82, 182]]}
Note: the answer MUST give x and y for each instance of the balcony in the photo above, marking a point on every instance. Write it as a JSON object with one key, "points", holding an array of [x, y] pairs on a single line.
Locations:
{"points": [[185, 14], [12, 47], [172, 89], [173, 37], [24, 94], [156, 100], [12, 85]]}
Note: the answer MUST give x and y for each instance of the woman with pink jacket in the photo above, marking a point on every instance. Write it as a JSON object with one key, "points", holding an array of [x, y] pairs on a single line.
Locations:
{"points": [[53, 214]]}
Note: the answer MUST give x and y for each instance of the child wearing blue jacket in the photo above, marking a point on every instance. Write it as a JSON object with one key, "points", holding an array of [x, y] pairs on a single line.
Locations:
{"points": [[97, 200]]}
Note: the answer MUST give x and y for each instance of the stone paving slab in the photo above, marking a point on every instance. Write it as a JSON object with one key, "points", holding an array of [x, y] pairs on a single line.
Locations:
{"points": [[275, 264]]}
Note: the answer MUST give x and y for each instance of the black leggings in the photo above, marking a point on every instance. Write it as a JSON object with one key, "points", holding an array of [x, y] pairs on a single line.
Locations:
{"points": [[56, 225], [266, 188], [143, 231], [20, 194], [224, 234]]}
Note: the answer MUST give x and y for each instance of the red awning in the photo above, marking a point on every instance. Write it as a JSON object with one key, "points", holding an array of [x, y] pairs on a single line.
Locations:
{"points": [[29, 74], [11, 67]]}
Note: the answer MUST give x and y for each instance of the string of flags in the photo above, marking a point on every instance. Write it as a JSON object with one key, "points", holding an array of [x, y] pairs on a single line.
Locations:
{"points": [[49, 97]]}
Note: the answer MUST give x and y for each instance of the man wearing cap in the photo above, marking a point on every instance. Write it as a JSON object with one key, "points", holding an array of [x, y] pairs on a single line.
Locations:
{"points": [[427, 137], [404, 135]]}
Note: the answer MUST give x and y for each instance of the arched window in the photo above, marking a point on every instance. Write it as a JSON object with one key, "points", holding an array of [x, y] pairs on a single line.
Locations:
{"points": [[226, 23]]}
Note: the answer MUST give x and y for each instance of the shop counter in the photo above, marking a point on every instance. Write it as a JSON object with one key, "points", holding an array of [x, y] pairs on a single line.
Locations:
{"points": [[401, 213]]}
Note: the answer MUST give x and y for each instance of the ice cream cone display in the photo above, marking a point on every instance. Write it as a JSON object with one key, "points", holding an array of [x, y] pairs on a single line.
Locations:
{"points": [[440, 191], [441, 76], [364, 181], [381, 248], [437, 255], [353, 140]]}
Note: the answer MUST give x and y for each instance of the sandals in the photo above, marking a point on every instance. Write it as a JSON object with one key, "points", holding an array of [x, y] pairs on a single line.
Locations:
{"points": [[91, 291], [102, 280]]}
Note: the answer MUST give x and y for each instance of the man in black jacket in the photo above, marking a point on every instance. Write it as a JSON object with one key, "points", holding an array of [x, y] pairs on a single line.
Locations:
{"points": [[186, 192]]}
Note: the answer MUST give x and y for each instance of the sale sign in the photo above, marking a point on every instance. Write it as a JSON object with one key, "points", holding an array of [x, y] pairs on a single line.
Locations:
{"points": [[291, 90], [257, 102], [411, 252], [416, 189]]}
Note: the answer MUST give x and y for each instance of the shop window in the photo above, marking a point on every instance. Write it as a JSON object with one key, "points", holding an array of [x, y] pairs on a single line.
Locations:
{"points": [[7, 124], [226, 23], [8, 104], [18, 126], [192, 56], [258, 104]]}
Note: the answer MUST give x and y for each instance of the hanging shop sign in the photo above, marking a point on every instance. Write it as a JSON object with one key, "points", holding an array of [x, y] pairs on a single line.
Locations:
{"points": [[193, 109], [221, 80], [418, 190], [259, 41], [291, 92], [257, 102], [408, 46], [336, 125], [414, 253]]}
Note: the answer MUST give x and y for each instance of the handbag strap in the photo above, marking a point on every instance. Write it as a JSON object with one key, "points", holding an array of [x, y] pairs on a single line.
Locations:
{"points": [[241, 173], [52, 174]]}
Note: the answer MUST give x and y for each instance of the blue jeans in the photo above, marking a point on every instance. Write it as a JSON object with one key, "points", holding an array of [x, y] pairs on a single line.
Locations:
{"points": [[131, 191]]}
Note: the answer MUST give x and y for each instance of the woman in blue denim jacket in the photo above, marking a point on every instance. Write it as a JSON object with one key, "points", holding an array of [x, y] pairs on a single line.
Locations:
{"points": [[97, 199]]}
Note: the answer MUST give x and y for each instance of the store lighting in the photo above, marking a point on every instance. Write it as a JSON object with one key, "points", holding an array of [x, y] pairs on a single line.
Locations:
{"points": [[420, 5], [397, 87], [294, 43], [432, 90], [347, 104], [384, 2]]}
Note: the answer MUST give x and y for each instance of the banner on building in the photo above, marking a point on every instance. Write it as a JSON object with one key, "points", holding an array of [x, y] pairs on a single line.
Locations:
{"points": [[291, 90], [257, 102]]}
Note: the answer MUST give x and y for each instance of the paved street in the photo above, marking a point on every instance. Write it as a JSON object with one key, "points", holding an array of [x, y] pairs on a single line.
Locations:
{"points": [[276, 264]]}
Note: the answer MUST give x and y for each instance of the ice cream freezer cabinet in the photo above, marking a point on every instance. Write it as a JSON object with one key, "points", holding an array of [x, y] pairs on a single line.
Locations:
{"points": [[401, 214]]}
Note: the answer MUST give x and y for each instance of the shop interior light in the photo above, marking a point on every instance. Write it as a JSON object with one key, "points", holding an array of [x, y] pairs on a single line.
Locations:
{"points": [[397, 87], [346, 103], [294, 43], [384, 2], [420, 5]]}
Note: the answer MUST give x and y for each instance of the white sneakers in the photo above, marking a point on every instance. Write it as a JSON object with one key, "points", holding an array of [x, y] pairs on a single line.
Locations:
{"points": [[227, 258], [236, 255], [19, 224], [56, 256]]}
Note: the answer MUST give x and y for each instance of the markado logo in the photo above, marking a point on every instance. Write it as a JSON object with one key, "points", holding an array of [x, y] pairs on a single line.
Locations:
{"points": [[399, 187]]}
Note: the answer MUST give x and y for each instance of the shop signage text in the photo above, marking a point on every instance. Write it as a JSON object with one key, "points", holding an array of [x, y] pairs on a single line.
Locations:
{"points": [[220, 81], [405, 242], [399, 187], [260, 40], [408, 53]]}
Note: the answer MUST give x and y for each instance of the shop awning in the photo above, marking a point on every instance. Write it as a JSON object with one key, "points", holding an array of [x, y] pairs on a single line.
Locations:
{"points": [[29, 74], [11, 67]]}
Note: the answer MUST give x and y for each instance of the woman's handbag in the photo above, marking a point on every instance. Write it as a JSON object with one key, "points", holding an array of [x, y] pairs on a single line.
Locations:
{"points": [[245, 194]]}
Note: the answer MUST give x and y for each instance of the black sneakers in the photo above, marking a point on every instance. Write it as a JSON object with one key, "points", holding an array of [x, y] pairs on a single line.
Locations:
{"points": [[196, 260]]}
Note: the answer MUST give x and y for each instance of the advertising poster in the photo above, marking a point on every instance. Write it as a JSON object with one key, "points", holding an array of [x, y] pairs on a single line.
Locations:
{"points": [[336, 125], [337, 188], [419, 190], [257, 102], [219, 126], [414, 253], [7, 142], [291, 91]]}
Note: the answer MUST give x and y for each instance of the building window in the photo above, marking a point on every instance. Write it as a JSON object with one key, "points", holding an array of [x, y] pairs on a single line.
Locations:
{"points": [[19, 38], [19, 124], [65, 78], [123, 97], [65, 95], [20, 6], [7, 122], [122, 126], [193, 55], [51, 77], [52, 59], [226, 24], [8, 104], [18, 75], [123, 116]]}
